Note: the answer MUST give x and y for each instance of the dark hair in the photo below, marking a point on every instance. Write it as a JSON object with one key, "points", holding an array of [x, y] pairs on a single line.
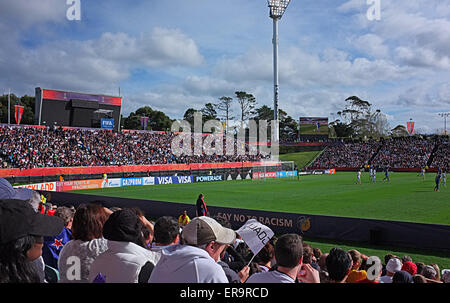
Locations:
{"points": [[88, 222], [338, 264], [288, 250], [307, 253], [265, 254], [166, 230], [14, 264]]}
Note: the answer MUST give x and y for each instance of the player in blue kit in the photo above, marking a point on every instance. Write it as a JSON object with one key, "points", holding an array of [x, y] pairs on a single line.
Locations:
{"points": [[438, 180]]}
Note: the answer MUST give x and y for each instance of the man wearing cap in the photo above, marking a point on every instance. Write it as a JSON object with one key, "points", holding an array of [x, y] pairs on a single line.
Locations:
{"points": [[393, 265], [21, 224], [195, 261]]}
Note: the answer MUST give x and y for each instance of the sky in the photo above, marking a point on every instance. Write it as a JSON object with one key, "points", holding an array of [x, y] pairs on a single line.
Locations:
{"points": [[172, 55]]}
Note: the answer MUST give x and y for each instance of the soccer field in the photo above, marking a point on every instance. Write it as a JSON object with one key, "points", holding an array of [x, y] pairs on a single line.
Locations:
{"points": [[405, 198]]}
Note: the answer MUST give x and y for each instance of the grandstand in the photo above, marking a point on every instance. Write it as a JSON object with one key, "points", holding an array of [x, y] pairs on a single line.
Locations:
{"points": [[398, 154]]}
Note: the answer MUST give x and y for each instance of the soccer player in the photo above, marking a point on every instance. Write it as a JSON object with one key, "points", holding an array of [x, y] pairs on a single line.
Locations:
{"points": [[374, 174], [438, 180], [444, 179], [422, 173], [358, 177], [386, 174]]}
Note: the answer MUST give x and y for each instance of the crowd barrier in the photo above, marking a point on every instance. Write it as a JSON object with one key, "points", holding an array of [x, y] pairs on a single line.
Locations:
{"points": [[377, 232]]}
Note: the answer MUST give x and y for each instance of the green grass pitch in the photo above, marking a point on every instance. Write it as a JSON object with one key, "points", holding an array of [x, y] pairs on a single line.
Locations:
{"points": [[405, 198]]}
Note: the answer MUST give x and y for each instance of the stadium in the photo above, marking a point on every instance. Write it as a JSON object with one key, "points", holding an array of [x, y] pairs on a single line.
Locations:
{"points": [[347, 185]]}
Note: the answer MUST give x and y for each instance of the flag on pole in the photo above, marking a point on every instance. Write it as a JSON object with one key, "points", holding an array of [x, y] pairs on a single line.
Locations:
{"points": [[255, 235], [410, 126], [18, 112]]}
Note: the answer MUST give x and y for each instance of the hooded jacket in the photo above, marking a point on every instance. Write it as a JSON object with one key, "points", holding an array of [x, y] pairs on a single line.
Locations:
{"points": [[122, 262], [187, 264]]}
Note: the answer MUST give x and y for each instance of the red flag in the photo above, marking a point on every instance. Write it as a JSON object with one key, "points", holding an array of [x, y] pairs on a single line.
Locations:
{"points": [[18, 112], [410, 126]]}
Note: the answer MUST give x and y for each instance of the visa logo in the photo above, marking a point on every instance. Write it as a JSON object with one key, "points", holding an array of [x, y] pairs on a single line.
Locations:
{"points": [[184, 179], [164, 180]]}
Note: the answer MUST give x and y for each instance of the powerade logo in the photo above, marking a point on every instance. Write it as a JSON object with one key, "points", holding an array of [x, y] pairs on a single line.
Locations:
{"points": [[173, 180], [132, 181], [208, 178], [107, 123]]}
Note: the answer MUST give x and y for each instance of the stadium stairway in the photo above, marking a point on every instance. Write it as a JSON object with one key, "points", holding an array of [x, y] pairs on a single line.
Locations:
{"points": [[375, 154], [433, 152]]}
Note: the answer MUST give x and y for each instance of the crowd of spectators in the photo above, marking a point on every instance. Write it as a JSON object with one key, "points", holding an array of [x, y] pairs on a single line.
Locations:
{"points": [[30, 147], [441, 155], [348, 154], [403, 152], [120, 245]]}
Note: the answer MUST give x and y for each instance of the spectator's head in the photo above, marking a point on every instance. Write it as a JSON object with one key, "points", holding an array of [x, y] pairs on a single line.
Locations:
{"points": [[35, 200], [21, 239], [402, 276], [356, 258], [406, 259], [387, 257], [66, 214], [266, 254], [393, 265], [208, 234], [289, 250], [7, 192], [410, 267], [88, 222], [438, 272], [147, 226], [167, 231], [308, 254], [445, 276], [429, 272], [323, 261], [420, 266], [124, 226], [419, 279], [317, 253], [339, 265]]}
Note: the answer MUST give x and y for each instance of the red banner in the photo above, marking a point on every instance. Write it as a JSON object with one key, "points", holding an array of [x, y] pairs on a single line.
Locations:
{"points": [[410, 126], [264, 175], [45, 171], [18, 112]]}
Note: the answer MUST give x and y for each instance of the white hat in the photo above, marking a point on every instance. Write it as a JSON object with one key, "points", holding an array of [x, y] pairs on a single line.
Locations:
{"points": [[394, 265], [202, 230]]}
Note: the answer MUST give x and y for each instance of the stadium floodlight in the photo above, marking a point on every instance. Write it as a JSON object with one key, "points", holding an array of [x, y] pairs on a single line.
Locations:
{"points": [[445, 115], [277, 9]]}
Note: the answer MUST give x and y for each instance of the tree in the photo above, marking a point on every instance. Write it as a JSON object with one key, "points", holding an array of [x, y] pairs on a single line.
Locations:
{"points": [[288, 126], [28, 112], [247, 103], [225, 106], [360, 117], [157, 119], [399, 131], [209, 112]]}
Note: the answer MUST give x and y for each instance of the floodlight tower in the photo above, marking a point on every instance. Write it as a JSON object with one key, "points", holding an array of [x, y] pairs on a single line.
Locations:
{"points": [[277, 9], [445, 115]]}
